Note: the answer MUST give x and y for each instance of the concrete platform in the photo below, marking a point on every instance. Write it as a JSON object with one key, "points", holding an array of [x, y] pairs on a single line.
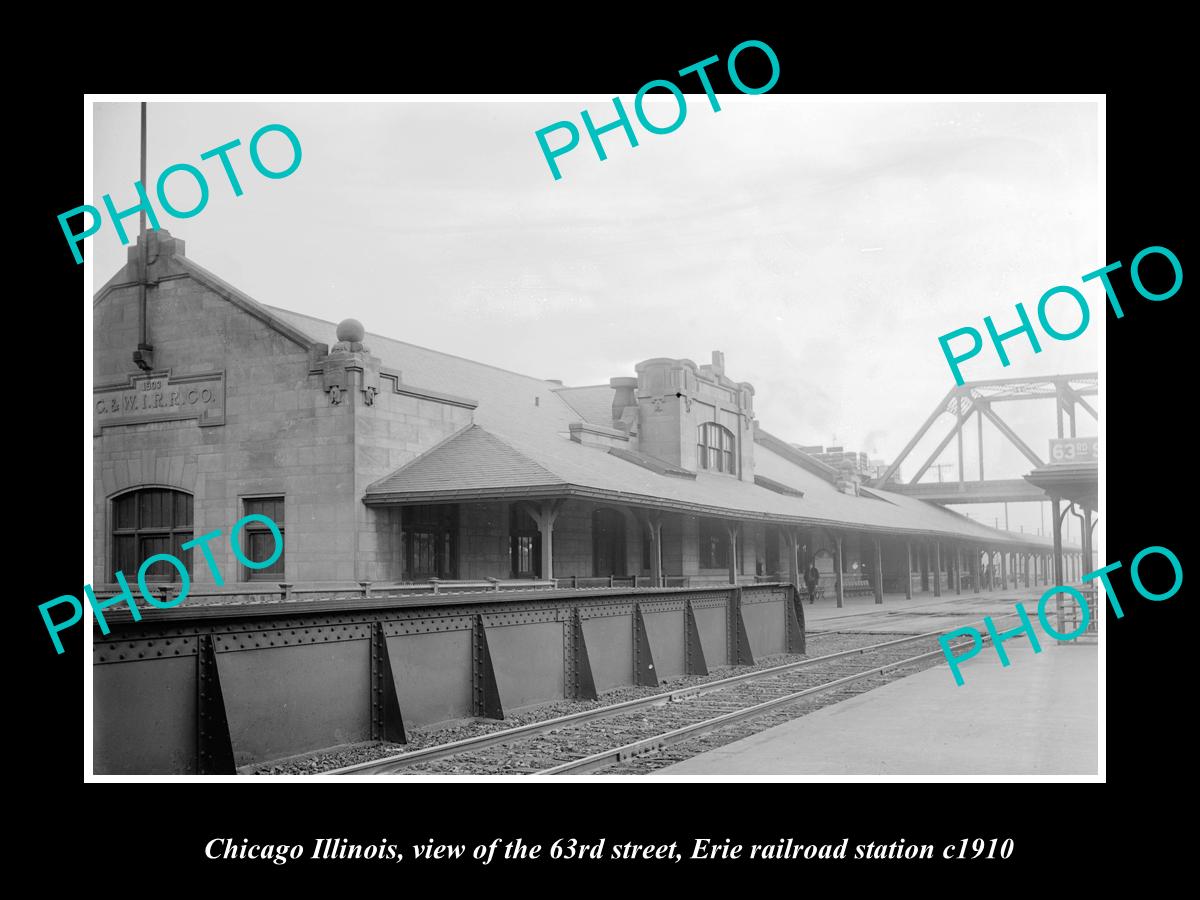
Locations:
{"points": [[924, 612], [1038, 716]]}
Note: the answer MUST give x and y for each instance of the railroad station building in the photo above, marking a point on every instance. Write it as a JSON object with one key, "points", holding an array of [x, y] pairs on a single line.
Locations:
{"points": [[386, 464]]}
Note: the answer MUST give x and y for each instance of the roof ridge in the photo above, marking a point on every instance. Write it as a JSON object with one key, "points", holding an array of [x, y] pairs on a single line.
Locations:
{"points": [[877, 494], [246, 303], [571, 406], [188, 267]]}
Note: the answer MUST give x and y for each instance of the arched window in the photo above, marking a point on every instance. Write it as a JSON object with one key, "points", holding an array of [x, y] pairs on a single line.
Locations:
{"points": [[146, 523], [715, 448], [608, 542]]}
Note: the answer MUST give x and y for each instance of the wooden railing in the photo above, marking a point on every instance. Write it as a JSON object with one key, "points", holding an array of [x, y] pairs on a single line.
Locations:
{"points": [[269, 592], [273, 592]]}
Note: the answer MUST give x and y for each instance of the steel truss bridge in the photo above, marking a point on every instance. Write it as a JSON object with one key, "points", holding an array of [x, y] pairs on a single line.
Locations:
{"points": [[979, 399]]}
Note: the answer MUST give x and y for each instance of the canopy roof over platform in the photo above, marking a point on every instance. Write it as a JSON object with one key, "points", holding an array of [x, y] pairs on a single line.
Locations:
{"points": [[1077, 482], [520, 447]]}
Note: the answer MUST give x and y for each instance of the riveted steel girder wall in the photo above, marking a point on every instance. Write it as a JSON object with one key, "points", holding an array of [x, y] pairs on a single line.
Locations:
{"points": [[208, 689]]}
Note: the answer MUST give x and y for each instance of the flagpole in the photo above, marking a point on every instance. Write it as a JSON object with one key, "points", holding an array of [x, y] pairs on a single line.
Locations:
{"points": [[142, 210], [142, 355], [142, 242]]}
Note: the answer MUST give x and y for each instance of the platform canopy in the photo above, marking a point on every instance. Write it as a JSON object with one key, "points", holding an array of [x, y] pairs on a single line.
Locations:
{"points": [[538, 440], [1074, 482]]}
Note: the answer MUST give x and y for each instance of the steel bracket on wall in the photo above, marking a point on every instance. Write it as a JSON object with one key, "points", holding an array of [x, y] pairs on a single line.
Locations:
{"points": [[643, 660], [742, 656], [485, 691], [386, 722], [695, 664], [795, 636], [214, 747], [583, 685]]}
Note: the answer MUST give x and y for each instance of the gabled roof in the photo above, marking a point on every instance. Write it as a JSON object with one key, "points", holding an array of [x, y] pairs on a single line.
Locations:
{"points": [[522, 447], [469, 460], [173, 264], [507, 400]]}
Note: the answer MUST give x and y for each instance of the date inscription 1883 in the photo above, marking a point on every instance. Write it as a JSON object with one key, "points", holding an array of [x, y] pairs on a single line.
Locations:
{"points": [[159, 398]]}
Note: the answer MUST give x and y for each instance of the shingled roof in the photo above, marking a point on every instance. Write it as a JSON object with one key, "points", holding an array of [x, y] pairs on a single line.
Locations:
{"points": [[470, 460], [520, 446], [593, 403]]}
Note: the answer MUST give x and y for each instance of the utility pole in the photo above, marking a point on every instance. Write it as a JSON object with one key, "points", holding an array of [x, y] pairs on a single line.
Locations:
{"points": [[939, 467]]}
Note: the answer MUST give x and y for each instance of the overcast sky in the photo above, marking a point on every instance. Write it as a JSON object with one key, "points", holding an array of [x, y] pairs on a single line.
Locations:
{"points": [[823, 247]]}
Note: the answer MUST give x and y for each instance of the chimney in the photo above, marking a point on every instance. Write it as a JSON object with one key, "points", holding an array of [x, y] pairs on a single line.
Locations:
{"points": [[718, 362], [624, 394]]}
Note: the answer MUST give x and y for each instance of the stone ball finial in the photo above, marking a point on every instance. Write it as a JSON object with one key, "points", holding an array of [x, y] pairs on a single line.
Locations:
{"points": [[351, 331]]}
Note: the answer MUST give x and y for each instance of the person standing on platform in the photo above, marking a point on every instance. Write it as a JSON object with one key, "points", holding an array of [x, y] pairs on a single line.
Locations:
{"points": [[811, 579]]}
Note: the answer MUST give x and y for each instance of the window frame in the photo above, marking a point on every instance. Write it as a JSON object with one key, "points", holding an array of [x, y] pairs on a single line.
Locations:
{"points": [[522, 527], [440, 522], [175, 533], [278, 571], [719, 560], [716, 449]]}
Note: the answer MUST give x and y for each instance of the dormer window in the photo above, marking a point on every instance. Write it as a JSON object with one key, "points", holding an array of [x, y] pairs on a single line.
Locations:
{"points": [[715, 449]]}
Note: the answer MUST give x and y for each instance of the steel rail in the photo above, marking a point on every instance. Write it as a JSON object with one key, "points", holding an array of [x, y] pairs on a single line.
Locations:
{"points": [[658, 742], [389, 764]]}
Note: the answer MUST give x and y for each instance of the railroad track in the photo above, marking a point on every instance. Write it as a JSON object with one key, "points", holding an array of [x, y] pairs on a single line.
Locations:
{"points": [[649, 724]]}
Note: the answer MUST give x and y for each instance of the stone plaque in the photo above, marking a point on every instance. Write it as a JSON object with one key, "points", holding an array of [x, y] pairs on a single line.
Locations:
{"points": [[160, 397]]}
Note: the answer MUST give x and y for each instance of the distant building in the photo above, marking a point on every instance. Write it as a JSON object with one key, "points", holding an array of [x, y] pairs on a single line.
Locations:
{"points": [[854, 464]]}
